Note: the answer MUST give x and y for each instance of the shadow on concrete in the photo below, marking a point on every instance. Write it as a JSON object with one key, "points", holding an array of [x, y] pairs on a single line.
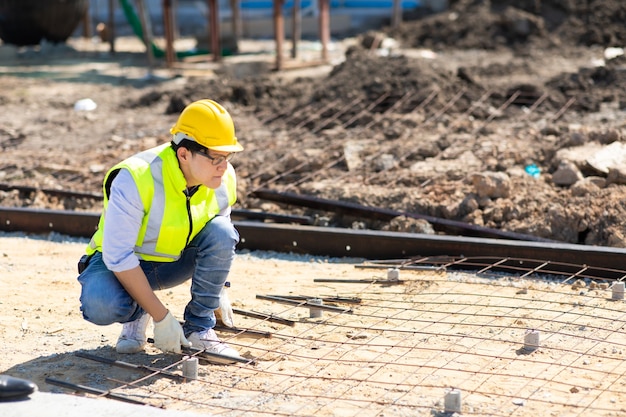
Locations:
{"points": [[71, 368]]}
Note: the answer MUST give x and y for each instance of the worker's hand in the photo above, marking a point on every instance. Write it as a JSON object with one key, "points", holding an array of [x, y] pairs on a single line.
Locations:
{"points": [[224, 313], [168, 334]]}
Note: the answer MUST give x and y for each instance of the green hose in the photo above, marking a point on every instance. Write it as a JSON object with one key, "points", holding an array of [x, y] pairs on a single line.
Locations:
{"points": [[135, 23]]}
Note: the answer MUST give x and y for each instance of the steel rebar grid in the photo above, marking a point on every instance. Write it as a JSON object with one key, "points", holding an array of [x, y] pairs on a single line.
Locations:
{"points": [[437, 115], [439, 327]]}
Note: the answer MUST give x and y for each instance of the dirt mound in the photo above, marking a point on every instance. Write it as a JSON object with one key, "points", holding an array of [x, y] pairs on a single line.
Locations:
{"points": [[495, 24]]}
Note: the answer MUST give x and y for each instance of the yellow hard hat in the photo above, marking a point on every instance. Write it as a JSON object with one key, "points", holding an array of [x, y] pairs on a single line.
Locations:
{"points": [[209, 124]]}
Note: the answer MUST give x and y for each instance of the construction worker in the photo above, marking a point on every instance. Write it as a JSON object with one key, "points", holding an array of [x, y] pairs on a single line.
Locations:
{"points": [[165, 220]]}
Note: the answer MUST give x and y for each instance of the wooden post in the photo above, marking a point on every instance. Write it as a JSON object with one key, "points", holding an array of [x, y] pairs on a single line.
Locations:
{"points": [[214, 31], [111, 26], [324, 27], [87, 24], [236, 23], [296, 27], [175, 31], [169, 34], [396, 13], [146, 26], [279, 32]]}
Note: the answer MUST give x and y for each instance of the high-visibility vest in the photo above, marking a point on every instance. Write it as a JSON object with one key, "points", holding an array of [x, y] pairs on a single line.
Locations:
{"points": [[171, 217]]}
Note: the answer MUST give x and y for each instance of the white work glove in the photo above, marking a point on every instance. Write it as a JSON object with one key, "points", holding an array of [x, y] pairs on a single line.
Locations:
{"points": [[169, 335], [224, 312]]}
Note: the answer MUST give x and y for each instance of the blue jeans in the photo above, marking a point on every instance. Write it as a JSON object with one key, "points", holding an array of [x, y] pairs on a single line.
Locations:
{"points": [[206, 261]]}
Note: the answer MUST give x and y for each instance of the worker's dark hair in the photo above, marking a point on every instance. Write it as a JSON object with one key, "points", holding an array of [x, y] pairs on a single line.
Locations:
{"points": [[188, 144]]}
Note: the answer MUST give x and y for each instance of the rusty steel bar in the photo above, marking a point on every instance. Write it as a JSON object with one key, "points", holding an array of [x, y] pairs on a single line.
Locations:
{"points": [[425, 102], [346, 300], [243, 331], [276, 217], [563, 109], [84, 224], [263, 316], [326, 166], [366, 109], [335, 116], [502, 107], [397, 103], [446, 107], [303, 303], [49, 191], [387, 214], [475, 104], [27, 220], [281, 175], [289, 115], [536, 104], [312, 116], [126, 365]]}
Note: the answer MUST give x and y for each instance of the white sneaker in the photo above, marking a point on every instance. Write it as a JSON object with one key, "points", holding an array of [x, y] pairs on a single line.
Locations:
{"points": [[133, 336], [208, 340]]}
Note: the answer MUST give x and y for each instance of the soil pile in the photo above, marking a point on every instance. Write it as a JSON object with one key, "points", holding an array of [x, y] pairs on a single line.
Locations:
{"points": [[513, 121], [484, 24]]}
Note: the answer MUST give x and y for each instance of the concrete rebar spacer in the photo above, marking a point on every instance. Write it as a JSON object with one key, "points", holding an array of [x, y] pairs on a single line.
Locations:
{"points": [[531, 340], [618, 291], [452, 401], [190, 367], [393, 274], [315, 313]]}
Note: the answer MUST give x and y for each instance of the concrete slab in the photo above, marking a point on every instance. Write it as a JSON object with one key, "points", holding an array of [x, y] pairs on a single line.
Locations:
{"points": [[64, 405]]}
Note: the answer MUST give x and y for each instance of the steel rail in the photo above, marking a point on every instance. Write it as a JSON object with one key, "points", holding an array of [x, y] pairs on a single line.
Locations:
{"points": [[368, 244]]}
